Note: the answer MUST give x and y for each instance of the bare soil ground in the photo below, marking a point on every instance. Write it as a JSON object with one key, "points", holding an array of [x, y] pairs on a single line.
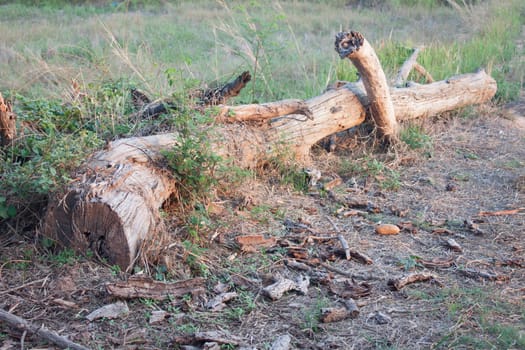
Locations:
{"points": [[475, 300]]}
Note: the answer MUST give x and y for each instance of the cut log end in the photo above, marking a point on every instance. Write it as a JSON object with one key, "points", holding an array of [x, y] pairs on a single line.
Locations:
{"points": [[347, 43], [93, 227]]}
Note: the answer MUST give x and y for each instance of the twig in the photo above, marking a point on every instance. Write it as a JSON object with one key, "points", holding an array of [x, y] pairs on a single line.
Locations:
{"points": [[483, 274], [501, 212], [398, 283], [405, 69], [23, 325], [421, 70]]}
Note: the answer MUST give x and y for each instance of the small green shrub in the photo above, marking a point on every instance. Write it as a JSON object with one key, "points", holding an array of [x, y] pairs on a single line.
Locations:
{"points": [[415, 138]]}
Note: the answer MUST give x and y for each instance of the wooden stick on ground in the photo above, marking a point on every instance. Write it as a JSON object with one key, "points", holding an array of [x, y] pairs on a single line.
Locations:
{"points": [[23, 325], [355, 47], [405, 69]]}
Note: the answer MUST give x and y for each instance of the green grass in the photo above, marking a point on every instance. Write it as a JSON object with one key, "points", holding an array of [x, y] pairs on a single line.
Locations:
{"points": [[481, 317]]}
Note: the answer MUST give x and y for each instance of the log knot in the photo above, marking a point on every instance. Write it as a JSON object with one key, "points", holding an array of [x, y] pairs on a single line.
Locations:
{"points": [[347, 43]]}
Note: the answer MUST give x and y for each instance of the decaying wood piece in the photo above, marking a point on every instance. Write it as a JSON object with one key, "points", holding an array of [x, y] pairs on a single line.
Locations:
{"points": [[7, 122], [355, 47], [251, 243], [219, 336], [276, 290], [145, 287], [421, 70], [398, 283], [25, 326], [336, 314], [109, 311], [347, 288], [218, 302], [452, 244]]}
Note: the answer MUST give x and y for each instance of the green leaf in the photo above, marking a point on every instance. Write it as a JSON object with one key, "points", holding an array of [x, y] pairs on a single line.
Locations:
{"points": [[11, 211]]}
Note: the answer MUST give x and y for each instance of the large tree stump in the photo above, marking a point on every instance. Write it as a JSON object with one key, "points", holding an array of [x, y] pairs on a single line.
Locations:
{"points": [[114, 204]]}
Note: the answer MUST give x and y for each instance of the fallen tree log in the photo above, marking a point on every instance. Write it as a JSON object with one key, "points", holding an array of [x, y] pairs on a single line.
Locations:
{"points": [[114, 204]]}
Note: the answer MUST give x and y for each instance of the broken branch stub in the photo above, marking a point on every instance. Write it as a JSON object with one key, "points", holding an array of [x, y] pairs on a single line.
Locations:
{"points": [[355, 47], [7, 122]]}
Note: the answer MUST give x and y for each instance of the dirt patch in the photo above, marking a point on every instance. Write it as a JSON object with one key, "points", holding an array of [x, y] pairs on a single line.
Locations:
{"points": [[474, 300]]}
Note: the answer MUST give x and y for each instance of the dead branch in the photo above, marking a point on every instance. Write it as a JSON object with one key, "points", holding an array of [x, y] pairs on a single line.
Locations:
{"points": [[398, 283], [421, 70], [355, 47], [145, 287], [476, 274], [25, 326], [502, 212], [218, 96], [365, 259]]}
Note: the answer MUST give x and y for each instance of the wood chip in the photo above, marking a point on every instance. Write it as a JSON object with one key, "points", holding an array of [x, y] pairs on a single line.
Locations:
{"points": [[276, 290], [65, 303], [387, 229], [502, 212], [252, 243], [399, 283], [452, 244], [114, 310], [334, 314]]}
